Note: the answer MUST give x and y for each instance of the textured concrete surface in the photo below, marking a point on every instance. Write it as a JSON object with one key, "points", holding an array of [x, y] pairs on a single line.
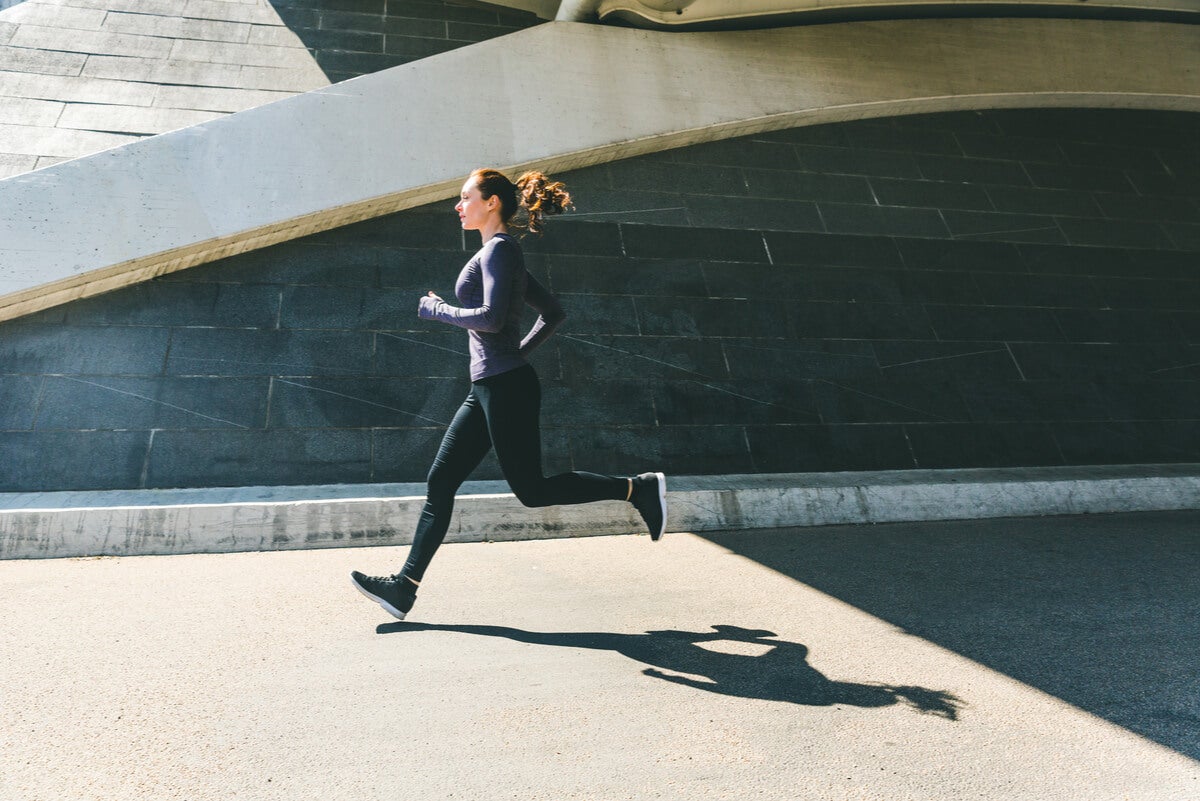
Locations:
{"points": [[156, 205], [45, 525], [1012, 660]]}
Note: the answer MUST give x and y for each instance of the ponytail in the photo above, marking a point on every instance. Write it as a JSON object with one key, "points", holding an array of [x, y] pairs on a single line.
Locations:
{"points": [[534, 195]]}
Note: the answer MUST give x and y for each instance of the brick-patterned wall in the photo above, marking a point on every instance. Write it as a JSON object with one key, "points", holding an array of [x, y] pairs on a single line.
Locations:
{"points": [[954, 290], [349, 38]]}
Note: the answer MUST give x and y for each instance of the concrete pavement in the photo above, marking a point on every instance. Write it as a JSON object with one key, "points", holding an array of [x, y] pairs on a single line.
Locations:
{"points": [[1047, 658]]}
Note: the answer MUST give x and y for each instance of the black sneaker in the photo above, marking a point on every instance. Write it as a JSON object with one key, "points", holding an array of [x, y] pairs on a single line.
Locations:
{"points": [[650, 499], [396, 594]]}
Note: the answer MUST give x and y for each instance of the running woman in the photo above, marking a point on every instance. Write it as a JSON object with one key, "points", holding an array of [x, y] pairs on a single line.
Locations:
{"points": [[503, 407]]}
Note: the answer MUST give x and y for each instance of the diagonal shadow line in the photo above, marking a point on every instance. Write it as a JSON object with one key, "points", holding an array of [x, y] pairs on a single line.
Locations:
{"points": [[780, 673], [1100, 611]]}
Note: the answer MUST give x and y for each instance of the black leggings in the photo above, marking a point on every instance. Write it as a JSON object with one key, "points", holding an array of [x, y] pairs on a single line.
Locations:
{"points": [[501, 412]]}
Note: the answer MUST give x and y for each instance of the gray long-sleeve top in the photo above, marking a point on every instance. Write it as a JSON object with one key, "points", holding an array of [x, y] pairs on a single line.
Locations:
{"points": [[493, 288]]}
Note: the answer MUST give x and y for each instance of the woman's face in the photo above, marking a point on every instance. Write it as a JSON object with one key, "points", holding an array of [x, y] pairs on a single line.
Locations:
{"points": [[473, 210]]}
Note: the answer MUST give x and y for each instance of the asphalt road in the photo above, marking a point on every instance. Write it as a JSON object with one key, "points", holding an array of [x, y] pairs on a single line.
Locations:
{"points": [[1040, 659]]}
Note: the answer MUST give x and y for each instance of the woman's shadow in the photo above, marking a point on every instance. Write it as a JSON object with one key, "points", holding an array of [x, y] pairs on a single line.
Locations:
{"points": [[730, 660]]}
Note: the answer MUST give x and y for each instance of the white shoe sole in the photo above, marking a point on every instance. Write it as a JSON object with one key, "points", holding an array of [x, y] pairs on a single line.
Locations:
{"points": [[391, 610], [662, 503]]}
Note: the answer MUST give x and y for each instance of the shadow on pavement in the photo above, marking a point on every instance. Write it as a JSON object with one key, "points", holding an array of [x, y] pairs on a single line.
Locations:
{"points": [[1100, 611], [730, 660]]}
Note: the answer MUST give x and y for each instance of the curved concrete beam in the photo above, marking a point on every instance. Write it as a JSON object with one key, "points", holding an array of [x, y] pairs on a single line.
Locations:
{"points": [[713, 14], [561, 95]]}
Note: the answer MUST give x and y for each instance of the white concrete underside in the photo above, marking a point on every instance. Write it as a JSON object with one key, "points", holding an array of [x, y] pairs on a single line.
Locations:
{"points": [[560, 95], [126, 523]]}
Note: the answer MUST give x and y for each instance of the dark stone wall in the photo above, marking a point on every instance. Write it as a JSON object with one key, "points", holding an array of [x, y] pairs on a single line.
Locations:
{"points": [[349, 38], [956, 290]]}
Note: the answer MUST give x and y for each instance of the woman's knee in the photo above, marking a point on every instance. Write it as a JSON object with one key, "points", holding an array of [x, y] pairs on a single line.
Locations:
{"points": [[530, 493]]}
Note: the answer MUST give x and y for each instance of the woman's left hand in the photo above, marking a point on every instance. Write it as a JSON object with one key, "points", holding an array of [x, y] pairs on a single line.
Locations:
{"points": [[428, 306]]}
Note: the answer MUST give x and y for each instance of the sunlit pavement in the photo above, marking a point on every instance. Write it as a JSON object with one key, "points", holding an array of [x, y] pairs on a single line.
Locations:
{"points": [[1051, 658]]}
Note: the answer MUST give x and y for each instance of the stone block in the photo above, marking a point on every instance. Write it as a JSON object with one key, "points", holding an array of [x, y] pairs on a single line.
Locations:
{"points": [[964, 361], [40, 62], [19, 401], [134, 120], [600, 314], [1141, 442], [21, 111], [115, 402], [421, 354], [1117, 325], [754, 360], [857, 161], [254, 55], [412, 48], [781, 399], [1088, 179], [1037, 290], [1012, 148], [806, 448], [1145, 293], [1069, 202], [249, 352], [90, 41], [993, 324], [711, 244], [852, 218], [928, 254], [843, 250], [985, 225], [889, 399], [15, 164], [406, 454], [257, 458], [349, 308], [764, 158], [973, 445], [55, 15], [56, 142], [852, 320], [652, 358], [167, 303], [628, 450], [928, 194], [577, 238], [255, 13], [177, 27], [973, 171], [28, 348], [1140, 207], [99, 460], [807, 186], [366, 402], [202, 98], [76, 89], [707, 318], [580, 404], [603, 275], [754, 213], [1114, 233]]}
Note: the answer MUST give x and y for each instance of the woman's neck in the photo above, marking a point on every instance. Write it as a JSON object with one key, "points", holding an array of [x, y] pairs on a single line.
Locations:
{"points": [[491, 229]]}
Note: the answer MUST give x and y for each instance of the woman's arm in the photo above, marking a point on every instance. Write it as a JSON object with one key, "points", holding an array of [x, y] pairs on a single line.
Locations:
{"points": [[498, 265], [550, 315]]}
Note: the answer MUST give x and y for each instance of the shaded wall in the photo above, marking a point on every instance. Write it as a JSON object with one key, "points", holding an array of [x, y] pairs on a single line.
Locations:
{"points": [[349, 38], [955, 290]]}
